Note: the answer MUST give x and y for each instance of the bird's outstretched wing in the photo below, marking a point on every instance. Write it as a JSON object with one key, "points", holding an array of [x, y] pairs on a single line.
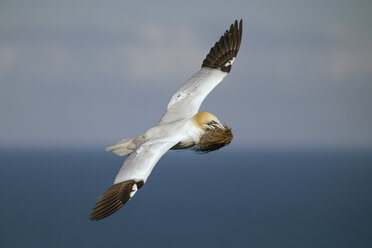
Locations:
{"points": [[131, 177], [186, 102]]}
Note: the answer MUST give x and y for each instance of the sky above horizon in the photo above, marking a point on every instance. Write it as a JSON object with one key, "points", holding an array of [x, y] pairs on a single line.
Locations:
{"points": [[89, 73]]}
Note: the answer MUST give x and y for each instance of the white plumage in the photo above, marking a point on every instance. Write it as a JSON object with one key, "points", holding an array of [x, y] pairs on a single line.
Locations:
{"points": [[156, 142], [186, 102]]}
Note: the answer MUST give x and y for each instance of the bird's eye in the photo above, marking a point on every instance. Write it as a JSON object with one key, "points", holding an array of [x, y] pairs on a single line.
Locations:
{"points": [[212, 122]]}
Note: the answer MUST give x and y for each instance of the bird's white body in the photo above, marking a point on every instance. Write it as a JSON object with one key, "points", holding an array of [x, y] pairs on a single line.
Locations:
{"points": [[155, 142]]}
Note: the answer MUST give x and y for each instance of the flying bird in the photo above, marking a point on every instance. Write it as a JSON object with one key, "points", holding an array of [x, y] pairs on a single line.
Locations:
{"points": [[181, 127]]}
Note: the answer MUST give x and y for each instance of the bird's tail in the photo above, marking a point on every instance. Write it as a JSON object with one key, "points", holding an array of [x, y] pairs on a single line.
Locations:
{"points": [[122, 147]]}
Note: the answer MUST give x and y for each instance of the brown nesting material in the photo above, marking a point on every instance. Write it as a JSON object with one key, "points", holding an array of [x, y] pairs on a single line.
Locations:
{"points": [[214, 140]]}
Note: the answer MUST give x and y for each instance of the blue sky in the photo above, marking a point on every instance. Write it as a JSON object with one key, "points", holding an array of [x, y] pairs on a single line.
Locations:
{"points": [[88, 73]]}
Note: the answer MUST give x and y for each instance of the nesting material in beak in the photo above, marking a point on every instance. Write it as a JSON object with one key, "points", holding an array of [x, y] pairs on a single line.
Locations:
{"points": [[214, 139]]}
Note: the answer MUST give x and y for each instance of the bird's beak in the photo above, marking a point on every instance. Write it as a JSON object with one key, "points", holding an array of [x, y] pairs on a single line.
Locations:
{"points": [[220, 125]]}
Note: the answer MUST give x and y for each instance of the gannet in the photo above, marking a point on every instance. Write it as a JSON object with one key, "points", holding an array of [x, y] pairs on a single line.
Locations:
{"points": [[180, 127]]}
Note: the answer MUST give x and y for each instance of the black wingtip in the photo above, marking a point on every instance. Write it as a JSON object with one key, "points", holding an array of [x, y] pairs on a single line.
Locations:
{"points": [[226, 49], [113, 199]]}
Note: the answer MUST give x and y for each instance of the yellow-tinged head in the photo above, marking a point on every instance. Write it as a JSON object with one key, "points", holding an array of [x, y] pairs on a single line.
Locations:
{"points": [[206, 121]]}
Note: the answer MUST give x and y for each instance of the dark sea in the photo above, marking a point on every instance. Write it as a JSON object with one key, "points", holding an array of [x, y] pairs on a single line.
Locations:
{"points": [[227, 198]]}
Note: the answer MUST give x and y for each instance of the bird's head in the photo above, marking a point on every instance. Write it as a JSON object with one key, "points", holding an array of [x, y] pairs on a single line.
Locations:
{"points": [[215, 135], [207, 121]]}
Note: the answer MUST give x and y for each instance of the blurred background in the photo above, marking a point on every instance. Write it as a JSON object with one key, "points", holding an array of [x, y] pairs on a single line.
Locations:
{"points": [[76, 76]]}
